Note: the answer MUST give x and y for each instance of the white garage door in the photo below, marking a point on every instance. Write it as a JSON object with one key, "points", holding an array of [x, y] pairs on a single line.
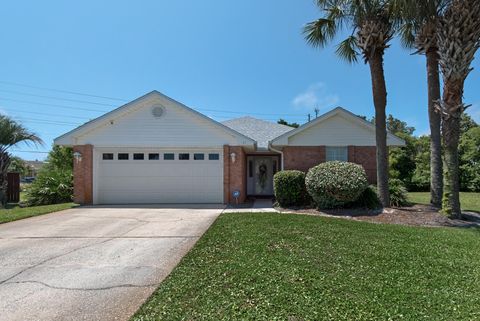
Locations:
{"points": [[153, 176]]}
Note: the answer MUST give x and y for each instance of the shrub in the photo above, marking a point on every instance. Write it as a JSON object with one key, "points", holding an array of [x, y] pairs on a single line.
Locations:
{"points": [[369, 199], [335, 184], [398, 192], [289, 188], [51, 187]]}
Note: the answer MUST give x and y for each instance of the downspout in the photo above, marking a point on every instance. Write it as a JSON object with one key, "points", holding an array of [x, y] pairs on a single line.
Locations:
{"points": [[278, 151]]}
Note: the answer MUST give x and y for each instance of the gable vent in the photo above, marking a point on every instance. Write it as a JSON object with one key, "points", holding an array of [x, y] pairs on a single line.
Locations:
{"points": [[157, 111]]}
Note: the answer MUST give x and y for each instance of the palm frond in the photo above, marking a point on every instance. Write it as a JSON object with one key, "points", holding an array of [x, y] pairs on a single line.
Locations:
{"points": [[407, 33], [13, 133], [320, 32], [347, 49]]}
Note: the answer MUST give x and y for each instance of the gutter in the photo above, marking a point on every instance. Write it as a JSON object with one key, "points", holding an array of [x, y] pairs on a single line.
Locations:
{"points": [[278, 151]]}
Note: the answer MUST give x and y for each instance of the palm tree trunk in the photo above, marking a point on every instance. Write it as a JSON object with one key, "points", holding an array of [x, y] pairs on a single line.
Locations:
{"points": [[452, 100], [436, 175], [380, 101], [4, 163]]}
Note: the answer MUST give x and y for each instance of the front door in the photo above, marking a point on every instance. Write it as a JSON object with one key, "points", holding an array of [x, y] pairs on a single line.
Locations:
{"points": [[263, 175]]}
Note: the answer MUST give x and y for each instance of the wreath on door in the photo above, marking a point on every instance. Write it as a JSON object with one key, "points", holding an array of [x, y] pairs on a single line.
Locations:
{"points": [[262, 175]]}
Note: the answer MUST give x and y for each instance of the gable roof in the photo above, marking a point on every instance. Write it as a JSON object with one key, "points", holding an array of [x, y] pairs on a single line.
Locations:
{"points": [[67, 138], [260, 130], [282, 139]]}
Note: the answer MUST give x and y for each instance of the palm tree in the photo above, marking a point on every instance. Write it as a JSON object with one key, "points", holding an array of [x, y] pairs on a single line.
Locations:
{"points": [[11, 134], [372, 28], [458, 40], [419, 31]]}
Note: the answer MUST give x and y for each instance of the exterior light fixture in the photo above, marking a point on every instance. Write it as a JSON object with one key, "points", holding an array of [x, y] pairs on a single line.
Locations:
{"points": [[77, 156], [233, 157]]}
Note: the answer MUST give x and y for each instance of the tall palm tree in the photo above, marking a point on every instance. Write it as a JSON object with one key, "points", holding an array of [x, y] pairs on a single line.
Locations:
{"points": [[372, 28], [458, 40], [11, 134], [419, 31]]}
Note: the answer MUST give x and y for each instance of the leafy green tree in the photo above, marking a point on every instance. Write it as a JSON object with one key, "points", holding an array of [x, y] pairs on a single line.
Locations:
{"points": [[402, 159], [286, 123], [421, 173], [18, 165], [470, 160], [54, 182], [11, 134], [371, 28]]}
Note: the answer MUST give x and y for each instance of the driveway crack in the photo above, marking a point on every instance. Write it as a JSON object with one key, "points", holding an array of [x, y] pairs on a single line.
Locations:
{"points": [[66, 253], [87, 289]]}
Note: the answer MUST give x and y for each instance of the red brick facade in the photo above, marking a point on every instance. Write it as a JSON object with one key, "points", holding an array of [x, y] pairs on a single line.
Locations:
{"points": [[303, 157], [365, 156], [234, 173], [83, 175]]}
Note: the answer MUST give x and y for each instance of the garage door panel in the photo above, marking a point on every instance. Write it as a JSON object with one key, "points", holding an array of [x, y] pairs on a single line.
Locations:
{"points": [[160, 181]]}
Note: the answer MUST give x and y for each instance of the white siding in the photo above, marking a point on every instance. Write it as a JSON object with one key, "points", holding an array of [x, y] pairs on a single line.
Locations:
{"points": [[334, 131], [177, 127]]}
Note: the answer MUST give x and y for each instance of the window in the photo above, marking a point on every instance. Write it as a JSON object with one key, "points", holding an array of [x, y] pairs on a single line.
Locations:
{"points": [[169, 156], [138, 156], [107, 156], [153, 156], [198, 156], [213, 156], [337, 153], [123, 156], [184, 156], [250, 168], [274, 167]]}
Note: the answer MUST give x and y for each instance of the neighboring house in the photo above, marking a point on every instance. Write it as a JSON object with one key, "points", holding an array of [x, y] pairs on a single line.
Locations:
{"points": [[157, 150], [33, 168]]}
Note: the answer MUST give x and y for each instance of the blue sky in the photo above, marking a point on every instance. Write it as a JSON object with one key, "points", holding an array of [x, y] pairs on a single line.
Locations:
{"points": [[223, 58]]}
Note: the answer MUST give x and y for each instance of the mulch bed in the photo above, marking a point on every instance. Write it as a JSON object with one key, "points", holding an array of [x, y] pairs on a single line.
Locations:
{"points": [[416, 215]]}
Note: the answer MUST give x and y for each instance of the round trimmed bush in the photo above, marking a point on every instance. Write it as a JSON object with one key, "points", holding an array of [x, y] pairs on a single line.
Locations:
{"points": [[289, 188], [334, 184]]}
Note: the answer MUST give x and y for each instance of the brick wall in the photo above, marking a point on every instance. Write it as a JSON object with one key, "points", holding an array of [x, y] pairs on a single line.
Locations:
{"points": [[234, 174], [83, 175], [303, 157], [365, 156]]}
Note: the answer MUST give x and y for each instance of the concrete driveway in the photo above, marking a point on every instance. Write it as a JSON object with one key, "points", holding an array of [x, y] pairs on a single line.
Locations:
{"points": [[93, 263]]}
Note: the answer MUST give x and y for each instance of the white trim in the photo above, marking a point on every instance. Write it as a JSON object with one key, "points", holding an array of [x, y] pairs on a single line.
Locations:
{"points": [[69, 138]]}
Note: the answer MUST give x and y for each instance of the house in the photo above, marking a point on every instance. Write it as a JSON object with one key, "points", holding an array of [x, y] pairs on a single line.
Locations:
{"points": [[33, 167], [157, 150]]}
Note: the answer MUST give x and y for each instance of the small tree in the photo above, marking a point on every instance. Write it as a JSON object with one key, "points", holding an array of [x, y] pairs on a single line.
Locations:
{"points": [[54, 182], [11, 133], [18, 165]]}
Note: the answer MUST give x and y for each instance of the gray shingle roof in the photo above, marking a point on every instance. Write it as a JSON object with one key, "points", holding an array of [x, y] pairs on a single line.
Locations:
{"points": [[260, 130]]}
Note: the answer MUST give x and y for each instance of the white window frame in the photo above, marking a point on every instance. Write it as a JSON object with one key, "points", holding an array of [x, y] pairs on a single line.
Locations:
{"points": [[336, 153]]}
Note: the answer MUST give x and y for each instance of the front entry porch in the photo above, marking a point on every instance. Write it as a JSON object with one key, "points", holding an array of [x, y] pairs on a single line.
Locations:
{"points": [[260, 171]]}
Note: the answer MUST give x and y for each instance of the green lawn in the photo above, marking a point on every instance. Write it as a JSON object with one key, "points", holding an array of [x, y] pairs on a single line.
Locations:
{"points": [[17, 213], [469, 201], [299, 267]]}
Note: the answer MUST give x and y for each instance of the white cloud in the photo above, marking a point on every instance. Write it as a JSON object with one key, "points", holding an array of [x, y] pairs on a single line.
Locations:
{"points": [[3, 111], [315, 96]]}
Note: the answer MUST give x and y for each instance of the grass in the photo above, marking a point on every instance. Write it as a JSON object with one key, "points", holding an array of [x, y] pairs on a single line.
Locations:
{"points": [[469, 201], [299, 267], [14, 212]]}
